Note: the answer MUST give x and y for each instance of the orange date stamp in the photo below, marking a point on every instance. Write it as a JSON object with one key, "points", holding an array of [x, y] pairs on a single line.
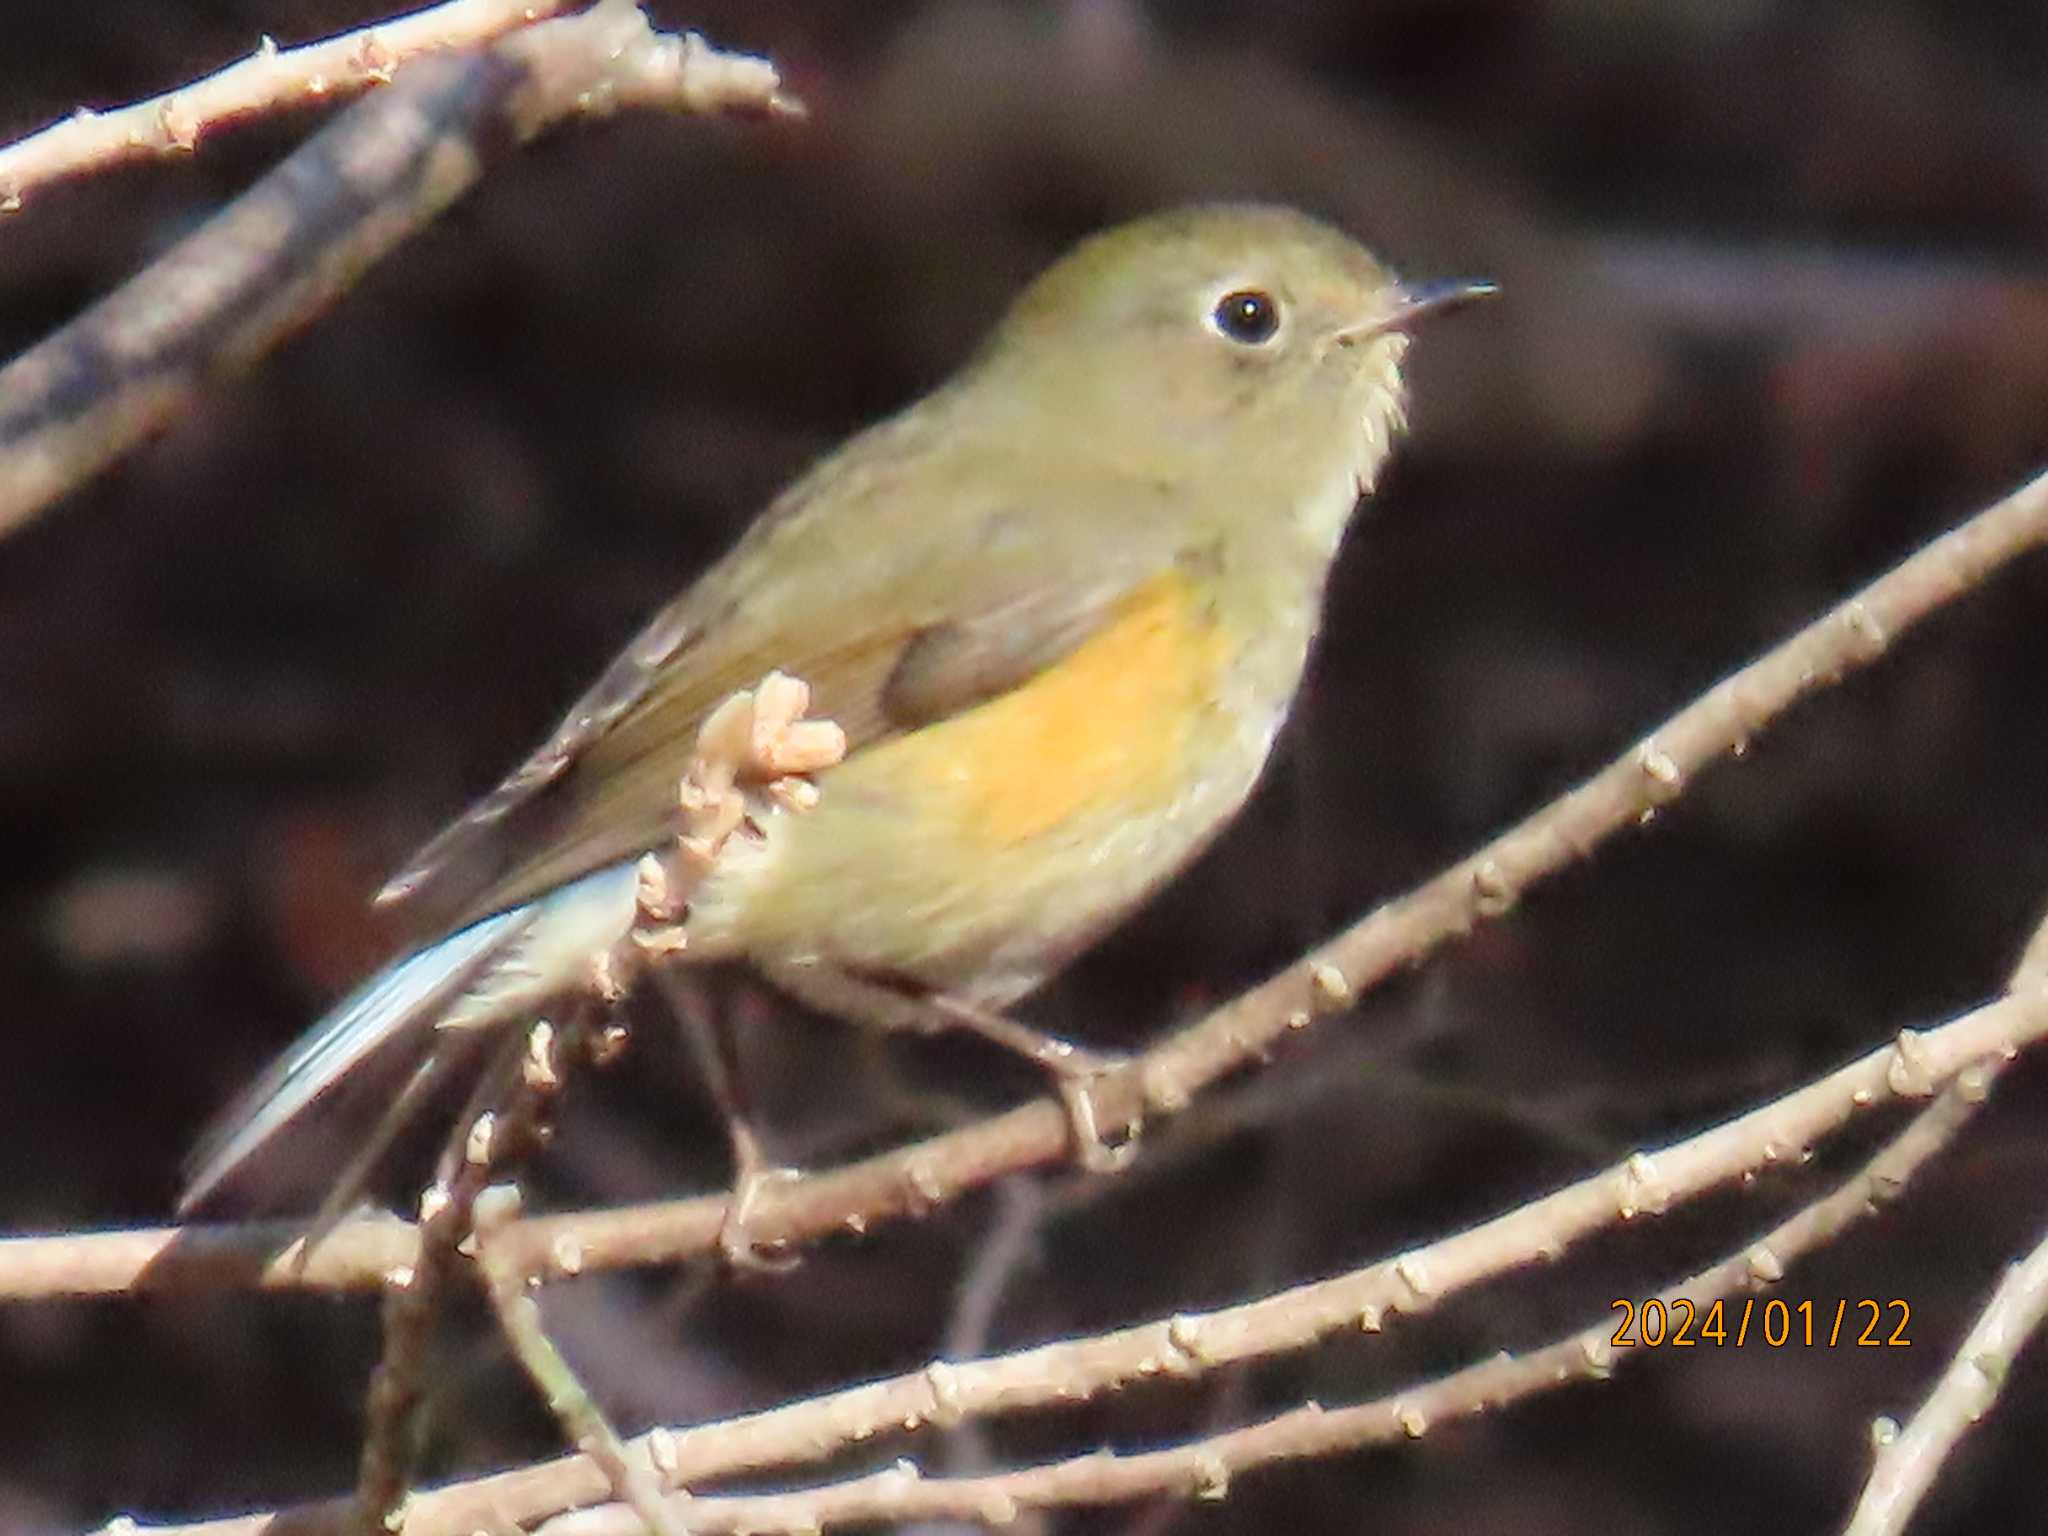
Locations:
{"points": [[1771, 1323]]}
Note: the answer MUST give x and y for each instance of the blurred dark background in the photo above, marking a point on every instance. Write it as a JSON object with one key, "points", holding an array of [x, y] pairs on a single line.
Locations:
{"points": [[1775, 313]]}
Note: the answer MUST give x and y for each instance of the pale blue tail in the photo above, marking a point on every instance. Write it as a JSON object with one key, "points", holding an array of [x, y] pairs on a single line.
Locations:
{"points": [[497, 969]]}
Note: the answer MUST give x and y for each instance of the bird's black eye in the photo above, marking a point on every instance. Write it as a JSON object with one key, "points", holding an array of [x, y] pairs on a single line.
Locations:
{"points": [[1247, 315]]}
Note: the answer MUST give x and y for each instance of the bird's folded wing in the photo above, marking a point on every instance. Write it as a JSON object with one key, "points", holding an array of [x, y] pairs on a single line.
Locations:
{"points": [[888, 639]]}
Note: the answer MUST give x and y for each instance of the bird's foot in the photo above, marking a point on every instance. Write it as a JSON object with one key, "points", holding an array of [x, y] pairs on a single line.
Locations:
{"points": [[1075, 1072], [753, 1175]]}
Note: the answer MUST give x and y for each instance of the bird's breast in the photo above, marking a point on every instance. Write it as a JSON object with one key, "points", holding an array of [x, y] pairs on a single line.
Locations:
{"points": [[997, 842]]}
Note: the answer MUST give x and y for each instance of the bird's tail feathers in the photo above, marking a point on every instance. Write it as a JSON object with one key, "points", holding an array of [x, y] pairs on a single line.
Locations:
{"points": [[410, 994], [495, 970]]}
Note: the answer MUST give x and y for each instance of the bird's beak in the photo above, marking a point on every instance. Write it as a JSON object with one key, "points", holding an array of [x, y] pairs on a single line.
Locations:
{"points": [[1414, 302]]}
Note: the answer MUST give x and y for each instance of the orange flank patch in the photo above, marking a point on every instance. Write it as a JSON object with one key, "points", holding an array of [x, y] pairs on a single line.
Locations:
{"points": [[1107, 724]]}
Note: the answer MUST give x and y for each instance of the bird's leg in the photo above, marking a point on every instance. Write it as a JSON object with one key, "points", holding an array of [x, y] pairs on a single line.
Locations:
{"points": [[1074, 1072], [708, 1024], [755, 745]]}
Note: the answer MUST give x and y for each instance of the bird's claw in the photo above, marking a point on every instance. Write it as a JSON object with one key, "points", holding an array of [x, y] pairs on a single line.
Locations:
{"points": [[736, 1245], [1076, 1076]]}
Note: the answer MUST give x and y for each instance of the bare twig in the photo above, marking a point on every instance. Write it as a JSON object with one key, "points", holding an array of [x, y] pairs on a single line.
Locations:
{"points": [[755, 743], [632, 1478], [289, 247], [1624, 794], [1191, 1344], [850, 1197], [914, 1179], [1203, 1469], [497, 1127], [267, 80], [1908, 1459], [1965, 1050]]}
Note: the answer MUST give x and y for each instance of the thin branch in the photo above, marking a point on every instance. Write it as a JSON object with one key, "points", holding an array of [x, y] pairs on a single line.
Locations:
{"points": [[1203, 1469], [1413, 1283], [1627, 793], [944, 1393], [269, 79], [755, 744], [1012, 1242], [1908, 1459], [913, 1180], [1193, 1344], [848, 1198], [510, 1293], [289, 247], [500, 1123]]}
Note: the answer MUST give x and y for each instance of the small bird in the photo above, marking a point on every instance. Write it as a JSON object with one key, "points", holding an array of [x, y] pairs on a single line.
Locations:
{"points": [[1060, 608]]}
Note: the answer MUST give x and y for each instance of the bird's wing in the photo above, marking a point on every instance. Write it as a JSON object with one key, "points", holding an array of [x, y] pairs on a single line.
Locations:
{"points": [[889, 637]]}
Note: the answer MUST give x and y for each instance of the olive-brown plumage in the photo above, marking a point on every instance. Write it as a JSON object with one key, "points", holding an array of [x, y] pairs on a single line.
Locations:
{"points": [[1059, 606]]}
